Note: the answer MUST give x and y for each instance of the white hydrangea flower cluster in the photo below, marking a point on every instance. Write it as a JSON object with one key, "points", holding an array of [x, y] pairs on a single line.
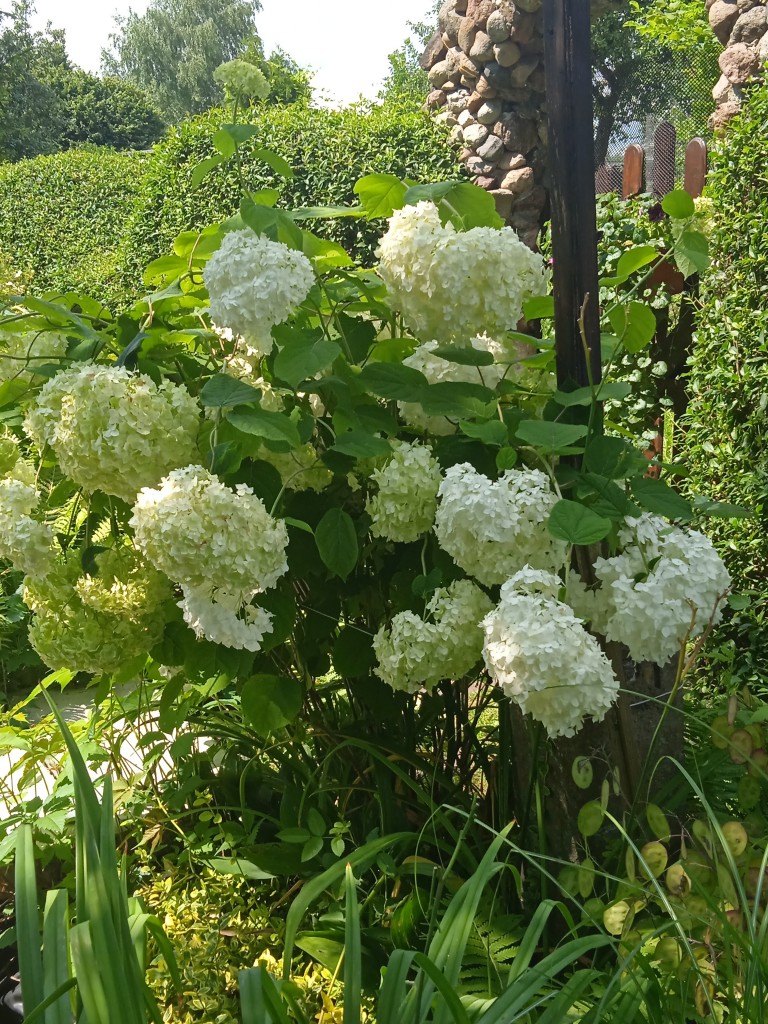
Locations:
{"points": [[224, 619], [254, 283], [414, 653], [541, 656], [491, 528], [664, 580], [404, 506], [124, 584], [451, 285], [203, 535], [104, 634], [113, 430], [25, 542], [436, 369], [241, 78], [21, 354]]}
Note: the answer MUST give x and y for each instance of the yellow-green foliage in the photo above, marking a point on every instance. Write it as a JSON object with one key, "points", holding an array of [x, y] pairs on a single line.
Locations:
{"points": [[727, 422], [62, 218]]}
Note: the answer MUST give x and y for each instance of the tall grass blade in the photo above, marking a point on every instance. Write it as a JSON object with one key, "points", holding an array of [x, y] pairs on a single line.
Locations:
{"points": [[393, 991], [39, 1011], [27, 923], [556, 1011], [317, 885], [353, 984], [514, 1000], [89, 984], [56, 955]]}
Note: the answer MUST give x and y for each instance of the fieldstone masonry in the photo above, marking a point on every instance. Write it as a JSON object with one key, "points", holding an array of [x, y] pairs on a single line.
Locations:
{"points": [[485, 67], [742, 28], [486, 72]]}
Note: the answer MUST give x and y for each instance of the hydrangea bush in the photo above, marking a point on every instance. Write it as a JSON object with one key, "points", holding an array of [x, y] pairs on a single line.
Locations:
{"points": [[274, 449]]}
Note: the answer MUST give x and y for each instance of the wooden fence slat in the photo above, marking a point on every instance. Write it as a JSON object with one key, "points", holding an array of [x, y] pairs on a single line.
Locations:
{"points": [[634, 160], [695, 167]]}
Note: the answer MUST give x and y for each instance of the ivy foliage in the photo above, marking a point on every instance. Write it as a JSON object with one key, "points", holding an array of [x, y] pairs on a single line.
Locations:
{"points": [[62, 218], [727, 422]]}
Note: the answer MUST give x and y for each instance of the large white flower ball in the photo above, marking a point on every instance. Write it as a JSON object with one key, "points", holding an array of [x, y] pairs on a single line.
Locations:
{"points": [[112, 430], [541, 656], [255, 283], [493, 528], [204, 535]]}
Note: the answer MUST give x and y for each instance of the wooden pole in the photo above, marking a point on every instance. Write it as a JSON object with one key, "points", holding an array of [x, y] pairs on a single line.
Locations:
{"points": [[568, 71]]}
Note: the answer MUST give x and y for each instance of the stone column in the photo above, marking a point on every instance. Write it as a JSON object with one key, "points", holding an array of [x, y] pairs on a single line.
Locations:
{"points": [[485, 69], [742, 28]]}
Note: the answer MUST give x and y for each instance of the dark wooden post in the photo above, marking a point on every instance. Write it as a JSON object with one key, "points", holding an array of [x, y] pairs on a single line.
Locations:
{"points": [[568, 70]]}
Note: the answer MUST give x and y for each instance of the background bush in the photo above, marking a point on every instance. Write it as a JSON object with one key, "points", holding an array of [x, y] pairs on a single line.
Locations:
{"points": [[727, 423], [91, 220], [62, 218], [328, 150]]}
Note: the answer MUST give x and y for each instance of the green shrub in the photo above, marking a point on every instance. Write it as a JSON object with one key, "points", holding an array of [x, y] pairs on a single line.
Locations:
{"points": [[727, 422], [62, 218], [328, 150]]}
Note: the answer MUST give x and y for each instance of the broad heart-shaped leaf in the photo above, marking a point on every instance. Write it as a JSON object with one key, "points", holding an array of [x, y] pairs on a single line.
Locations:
{"points": [[551, 437], [614, 458], [691, 253], [615, 390], [465, 355], [380, 194], [325, 254], [657, 496], [539, 307], [303, 358], [270, 702], [360, 445], [230, 136], [336, 541], [635, 258], [634, 323], [274, 224], [458, 398], [678, 204], [491, 432], [202, 169], [273, 160], [222, 390], [604, 496], [463, 204], [272, 426], [394, 381], [576, 524]]}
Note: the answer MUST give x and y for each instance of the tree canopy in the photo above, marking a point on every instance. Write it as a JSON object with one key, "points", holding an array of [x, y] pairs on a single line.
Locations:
{"points": [[173, 49], [47, 104]]}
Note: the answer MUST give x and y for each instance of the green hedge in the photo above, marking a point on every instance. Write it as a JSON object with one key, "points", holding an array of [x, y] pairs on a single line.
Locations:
{"points": [[63, 217], [328, 150], [91, 219], [726, 447]]}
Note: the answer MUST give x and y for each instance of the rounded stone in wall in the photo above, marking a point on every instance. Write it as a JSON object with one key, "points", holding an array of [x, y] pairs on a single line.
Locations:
{"points": [[482, 48], [475, 134], [498, 26], [491, 150], [506, 53], [489, 112], [750, 26], [739, 63], [722, 18]]}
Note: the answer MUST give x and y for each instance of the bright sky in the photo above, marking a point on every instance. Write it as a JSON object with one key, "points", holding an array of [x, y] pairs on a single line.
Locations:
{"points": [[345, 42]]}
